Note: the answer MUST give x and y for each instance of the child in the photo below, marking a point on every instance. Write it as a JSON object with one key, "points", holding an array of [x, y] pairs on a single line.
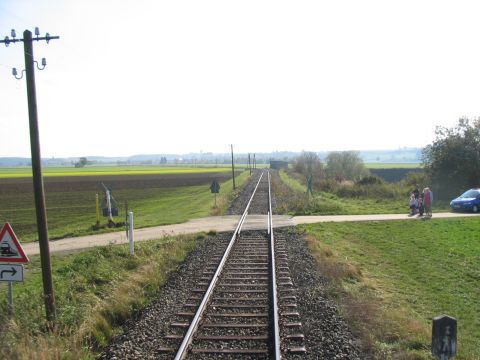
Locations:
{"points": [[421, 208], [413, 205]]}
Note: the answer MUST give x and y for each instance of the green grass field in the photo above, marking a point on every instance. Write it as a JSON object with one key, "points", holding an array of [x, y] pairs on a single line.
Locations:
{"points": [[73, 213], [408, 272], [324, 203], [95, 291], [14, 172]]}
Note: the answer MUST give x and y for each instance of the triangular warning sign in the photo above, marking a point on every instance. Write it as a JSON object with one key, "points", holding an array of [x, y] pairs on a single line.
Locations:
{"points": [[10, 248]]}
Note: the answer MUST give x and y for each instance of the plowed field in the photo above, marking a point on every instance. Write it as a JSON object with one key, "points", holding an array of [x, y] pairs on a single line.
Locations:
{"points": [[155, 199]]}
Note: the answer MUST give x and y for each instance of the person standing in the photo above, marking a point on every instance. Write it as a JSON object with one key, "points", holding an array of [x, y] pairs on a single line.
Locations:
{"points": [[416, 192], [431, 200], [427, 201]]}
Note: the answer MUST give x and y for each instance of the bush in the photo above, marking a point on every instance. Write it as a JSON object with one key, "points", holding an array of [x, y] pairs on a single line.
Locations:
{"points": [[374, 191], [415, 178], [345, 165], [302, 205], [309, 164], [370, 180], [329, 185]]}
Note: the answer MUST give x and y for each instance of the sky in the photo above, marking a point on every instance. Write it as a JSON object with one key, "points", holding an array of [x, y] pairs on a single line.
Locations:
{"points": [[163, 77]]}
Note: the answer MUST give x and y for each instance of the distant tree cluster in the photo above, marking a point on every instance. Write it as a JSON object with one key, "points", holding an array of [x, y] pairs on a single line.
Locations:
{"points": [[452, 161], [309, 164], [81, 163], [345, 165], [340, 166]]}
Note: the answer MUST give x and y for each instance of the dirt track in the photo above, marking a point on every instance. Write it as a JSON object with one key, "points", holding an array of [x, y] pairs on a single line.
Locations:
{"points": [[217, 223]]}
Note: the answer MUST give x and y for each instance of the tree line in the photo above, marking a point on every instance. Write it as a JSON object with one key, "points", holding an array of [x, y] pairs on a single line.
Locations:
{"points": [[451, 163]]}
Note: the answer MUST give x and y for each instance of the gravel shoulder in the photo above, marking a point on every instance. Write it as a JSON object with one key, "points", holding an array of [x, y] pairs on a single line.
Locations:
{"points": [[327, 336]]}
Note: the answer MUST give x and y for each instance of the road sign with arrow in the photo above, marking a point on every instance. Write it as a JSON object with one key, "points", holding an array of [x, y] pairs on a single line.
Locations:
{"points": [[11, 272]]}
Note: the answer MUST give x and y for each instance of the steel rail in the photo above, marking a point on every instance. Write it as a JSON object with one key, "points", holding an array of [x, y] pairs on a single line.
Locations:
{"points": [[182, 351], [275, 321]]}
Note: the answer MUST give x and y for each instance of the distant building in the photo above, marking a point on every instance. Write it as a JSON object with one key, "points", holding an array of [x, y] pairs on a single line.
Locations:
{"points": [[277, 164]]}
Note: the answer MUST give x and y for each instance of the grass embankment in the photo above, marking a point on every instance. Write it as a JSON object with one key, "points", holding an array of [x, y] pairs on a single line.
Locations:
{"points": [[351, 199], [73, 213], [325, 203], [95, 291], [394, 277]]}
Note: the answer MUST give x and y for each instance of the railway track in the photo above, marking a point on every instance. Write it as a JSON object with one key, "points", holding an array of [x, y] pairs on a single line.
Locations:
{"points": [[244, 305]]}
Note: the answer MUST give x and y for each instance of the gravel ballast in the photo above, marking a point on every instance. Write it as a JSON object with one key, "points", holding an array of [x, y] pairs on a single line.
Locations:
{"points": [[143, 335], [326, 334]]}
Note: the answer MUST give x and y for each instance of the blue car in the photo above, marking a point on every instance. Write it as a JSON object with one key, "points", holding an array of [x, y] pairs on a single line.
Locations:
{"points": [[468, 201]]}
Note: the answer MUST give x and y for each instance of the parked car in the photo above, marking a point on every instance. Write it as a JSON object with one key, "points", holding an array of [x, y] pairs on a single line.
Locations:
{"points": [[468, 201]]}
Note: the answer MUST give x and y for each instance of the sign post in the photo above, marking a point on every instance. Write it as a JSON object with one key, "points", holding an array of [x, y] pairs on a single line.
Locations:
{"points": [[11, 252], [97, 206], [444, 337], [215, 189], [10, 298]]}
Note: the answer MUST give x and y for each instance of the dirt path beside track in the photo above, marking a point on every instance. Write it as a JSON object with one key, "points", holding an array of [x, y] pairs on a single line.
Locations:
{"points": [[216, 223]]}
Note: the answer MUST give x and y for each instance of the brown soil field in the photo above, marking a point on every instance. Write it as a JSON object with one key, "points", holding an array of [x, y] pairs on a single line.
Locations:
{"points": [[116, 182]]}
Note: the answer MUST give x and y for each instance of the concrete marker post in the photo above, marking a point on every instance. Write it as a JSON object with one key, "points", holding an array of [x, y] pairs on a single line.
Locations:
{"points": [[444, 337]]}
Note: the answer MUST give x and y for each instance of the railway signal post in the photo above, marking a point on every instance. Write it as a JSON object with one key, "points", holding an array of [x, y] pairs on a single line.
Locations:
{"points": [[39, 191]]}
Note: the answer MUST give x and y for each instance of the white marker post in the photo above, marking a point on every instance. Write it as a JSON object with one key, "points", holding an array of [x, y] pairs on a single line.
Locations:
{"points": [[130, 233]]}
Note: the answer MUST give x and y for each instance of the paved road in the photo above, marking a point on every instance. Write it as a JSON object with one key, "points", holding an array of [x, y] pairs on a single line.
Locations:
{"points": [[217, 223]]}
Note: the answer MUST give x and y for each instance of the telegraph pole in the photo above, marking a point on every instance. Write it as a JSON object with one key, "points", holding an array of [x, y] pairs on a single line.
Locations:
{"points": [[233, 169], [38, 187]]}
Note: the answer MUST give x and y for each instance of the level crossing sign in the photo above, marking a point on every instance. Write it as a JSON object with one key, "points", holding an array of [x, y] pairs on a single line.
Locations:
{"points": [[10, 249]]}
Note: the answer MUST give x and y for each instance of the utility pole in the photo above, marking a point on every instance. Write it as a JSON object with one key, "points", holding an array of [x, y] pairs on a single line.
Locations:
{"points": [[254, 161], [249, 164], [38, 187], [233, 169]]}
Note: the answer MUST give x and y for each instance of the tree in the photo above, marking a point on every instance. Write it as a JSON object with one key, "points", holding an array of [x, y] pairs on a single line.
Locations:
{"points": [[452, 161], [81, 163], [345, 165], [309, 164]]}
